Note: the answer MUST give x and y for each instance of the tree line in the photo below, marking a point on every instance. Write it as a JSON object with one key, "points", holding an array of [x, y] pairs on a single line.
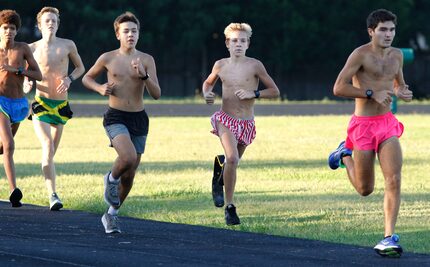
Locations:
{"points": [[303, 43]]}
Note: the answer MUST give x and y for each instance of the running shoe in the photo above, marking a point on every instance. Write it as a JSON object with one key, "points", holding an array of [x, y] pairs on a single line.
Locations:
{"points": [[231, 217], [110, 223], [335, 158], [217, 182], [15, 198], [389, 247], [111, 191], [55, 202]]}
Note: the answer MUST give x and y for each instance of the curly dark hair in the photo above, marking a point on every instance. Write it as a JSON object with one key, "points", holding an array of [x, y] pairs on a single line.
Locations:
{"points": [[9, 16]]}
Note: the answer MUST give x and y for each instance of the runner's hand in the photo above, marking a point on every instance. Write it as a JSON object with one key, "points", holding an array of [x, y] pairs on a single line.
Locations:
{"points": [[28, 85], [244, 94], [209, 97], [138, 67], [5, 67], [404, 93], [106, 89], [383, 97], [64, 85]]}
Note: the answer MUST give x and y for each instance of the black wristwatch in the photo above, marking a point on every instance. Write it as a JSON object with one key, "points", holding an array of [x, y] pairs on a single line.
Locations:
{"points": [[144, 78], [369, 93], [257, 94], [19, 71]]}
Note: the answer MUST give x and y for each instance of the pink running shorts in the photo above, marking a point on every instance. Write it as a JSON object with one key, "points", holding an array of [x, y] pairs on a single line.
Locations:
{"points": [[368, 132], [243, 130]]}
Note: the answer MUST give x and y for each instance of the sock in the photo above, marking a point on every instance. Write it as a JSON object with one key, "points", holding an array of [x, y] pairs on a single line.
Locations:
{"points": [[112, 211], [113, 179]]}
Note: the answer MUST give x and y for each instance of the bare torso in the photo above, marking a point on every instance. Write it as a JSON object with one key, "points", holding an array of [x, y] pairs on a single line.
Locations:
{"points": [[11, 85], [377, 73], [236, 76], [127, 94], [53, 61]]}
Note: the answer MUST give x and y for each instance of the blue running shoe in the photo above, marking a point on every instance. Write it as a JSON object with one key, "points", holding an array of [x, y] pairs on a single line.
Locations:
{"points": [[334, 160], [389, 247]]}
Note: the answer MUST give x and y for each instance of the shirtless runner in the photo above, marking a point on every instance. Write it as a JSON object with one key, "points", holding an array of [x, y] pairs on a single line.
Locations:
{"points": [[234, 124], [375, 70], [129, 72]]}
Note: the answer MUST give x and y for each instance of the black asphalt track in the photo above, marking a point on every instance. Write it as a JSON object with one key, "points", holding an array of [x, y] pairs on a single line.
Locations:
{"points": [[35, 236], [96, 110]]}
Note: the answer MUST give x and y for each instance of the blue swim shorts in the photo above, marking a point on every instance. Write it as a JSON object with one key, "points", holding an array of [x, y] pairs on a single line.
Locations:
{"points": [[16, 109]]}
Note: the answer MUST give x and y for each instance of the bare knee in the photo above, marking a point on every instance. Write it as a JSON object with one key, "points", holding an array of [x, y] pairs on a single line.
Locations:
{"points": [[128, 161], [365, 189], [48, 153], [8, 146], [232, 160], [392, 182]]}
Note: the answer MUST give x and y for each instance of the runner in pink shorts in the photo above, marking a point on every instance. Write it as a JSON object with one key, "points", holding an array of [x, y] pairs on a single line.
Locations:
{"points": [[368, 132], [234, 123], [372, 74], [243, 130]]}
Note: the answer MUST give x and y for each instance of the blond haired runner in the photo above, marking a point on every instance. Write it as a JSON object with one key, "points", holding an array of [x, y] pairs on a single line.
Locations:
{"points": [[129, 73], [50, 109], [234, 122]]}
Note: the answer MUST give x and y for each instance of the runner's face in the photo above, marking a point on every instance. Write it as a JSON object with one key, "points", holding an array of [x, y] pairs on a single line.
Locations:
{"points": [[237, 43], [383, 35], [128, 34], [7, 32], [48, 23]]}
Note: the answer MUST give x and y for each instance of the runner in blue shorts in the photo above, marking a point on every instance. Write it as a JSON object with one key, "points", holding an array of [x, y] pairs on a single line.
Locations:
{"points": [[15, 56]]}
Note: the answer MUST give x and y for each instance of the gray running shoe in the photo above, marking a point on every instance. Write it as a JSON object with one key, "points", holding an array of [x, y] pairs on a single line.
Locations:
{"points": [[110, 223], [55, 202], [111, 191]]}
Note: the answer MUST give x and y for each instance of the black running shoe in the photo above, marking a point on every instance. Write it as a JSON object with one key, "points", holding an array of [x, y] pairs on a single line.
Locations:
{"points": [[15, 198], [231, 217], [217, 182]]}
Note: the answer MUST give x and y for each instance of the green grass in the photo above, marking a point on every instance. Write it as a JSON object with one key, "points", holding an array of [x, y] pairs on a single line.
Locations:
{"points": [[284, 185]]}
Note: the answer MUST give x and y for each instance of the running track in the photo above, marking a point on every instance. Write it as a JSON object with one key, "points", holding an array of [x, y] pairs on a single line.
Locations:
{"points": [[34, 236]]}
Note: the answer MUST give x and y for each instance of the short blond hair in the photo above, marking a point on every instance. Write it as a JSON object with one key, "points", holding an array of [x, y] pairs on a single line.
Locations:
{"points": [[232, 27], [48, 9]]}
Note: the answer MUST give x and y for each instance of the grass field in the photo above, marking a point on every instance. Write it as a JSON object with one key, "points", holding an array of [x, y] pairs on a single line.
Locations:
{"points": [[284, 184]]}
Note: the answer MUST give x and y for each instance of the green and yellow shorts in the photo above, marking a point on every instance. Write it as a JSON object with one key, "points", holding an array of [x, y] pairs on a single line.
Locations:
{"points": [[50, 110]]}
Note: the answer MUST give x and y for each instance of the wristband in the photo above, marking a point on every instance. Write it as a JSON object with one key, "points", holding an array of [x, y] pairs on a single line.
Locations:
{"points": [[257, 94], [19, 71], [144, 78], [71, 78]]}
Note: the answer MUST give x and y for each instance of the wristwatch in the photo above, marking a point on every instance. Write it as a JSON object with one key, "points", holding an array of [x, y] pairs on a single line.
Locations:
{"points": [[19, 71], [144, 78], [369, 93], [257, 93]]}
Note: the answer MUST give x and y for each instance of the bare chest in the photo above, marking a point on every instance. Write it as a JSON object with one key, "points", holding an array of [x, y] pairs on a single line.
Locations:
{"points": [[120, 69], [51, 56], [382, 68], [238, 77], [11, 57]]}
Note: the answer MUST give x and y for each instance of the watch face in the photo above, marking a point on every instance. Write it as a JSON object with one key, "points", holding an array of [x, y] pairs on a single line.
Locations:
{"points": [[369, 93]]}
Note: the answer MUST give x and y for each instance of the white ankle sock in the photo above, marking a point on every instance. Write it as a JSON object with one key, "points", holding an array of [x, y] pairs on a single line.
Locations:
{"points": [[112, 179], [113, 211]]}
